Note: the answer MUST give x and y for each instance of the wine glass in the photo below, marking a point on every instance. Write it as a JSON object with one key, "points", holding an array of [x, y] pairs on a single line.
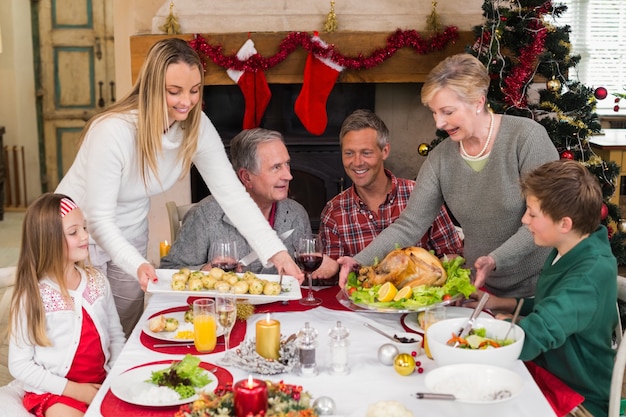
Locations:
{"points": [[226, 309], [309, 258], [223, 254]]}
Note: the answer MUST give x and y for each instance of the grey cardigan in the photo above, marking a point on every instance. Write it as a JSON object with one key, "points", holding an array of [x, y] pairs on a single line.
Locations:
{"points": [[206, 221]]}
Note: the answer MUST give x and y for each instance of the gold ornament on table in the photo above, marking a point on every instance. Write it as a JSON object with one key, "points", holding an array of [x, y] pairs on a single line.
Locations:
{"points": [[244, 310], [331, 19], [423, 149], [433, 22], [171, 25], [553, 85]]}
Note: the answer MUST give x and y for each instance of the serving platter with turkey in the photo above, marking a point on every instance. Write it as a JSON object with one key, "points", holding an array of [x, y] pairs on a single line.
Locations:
{"points": [[406, 280]]}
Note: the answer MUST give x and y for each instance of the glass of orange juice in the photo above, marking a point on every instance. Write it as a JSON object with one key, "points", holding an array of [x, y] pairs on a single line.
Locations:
{"points": [[431, 316], [204, 325]]}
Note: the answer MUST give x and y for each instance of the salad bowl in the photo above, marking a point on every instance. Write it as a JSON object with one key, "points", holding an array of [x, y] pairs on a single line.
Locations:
{"points": [[438, 335]]}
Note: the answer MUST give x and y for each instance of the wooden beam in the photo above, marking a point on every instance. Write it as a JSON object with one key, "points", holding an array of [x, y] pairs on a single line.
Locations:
{"points": [[406, 66]]}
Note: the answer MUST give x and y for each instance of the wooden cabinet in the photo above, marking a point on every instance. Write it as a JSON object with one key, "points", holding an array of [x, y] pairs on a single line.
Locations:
{"points": [[612, 147]]}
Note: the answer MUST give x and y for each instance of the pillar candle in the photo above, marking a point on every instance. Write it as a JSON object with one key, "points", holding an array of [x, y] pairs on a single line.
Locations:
{"points": [[250, 397], [164, 248], [268, 337]]}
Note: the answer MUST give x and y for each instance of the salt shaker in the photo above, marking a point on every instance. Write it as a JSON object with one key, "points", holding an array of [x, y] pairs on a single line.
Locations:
{"points": [[306, 342], [339, 349]]}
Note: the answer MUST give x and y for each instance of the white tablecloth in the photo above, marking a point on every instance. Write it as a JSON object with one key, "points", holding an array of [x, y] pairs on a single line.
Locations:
{"points": [[368, 382]]}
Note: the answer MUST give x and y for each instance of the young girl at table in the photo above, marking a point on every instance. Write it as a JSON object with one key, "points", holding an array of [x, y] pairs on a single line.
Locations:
{"points": [[570, 322], [63, 327]]}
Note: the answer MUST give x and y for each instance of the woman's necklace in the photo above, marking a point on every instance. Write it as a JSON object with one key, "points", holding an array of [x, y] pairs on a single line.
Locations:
{"points": [[484, 149]]}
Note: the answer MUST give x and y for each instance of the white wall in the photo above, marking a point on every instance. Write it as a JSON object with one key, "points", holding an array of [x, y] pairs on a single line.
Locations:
{"points": [[17, 88]]}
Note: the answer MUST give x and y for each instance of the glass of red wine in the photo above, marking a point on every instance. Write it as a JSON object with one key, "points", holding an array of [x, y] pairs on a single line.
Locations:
{"points": [[223, 254], [309, 258]]}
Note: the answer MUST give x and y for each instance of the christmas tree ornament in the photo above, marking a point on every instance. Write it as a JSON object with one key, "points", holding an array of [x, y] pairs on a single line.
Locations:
{"points": [[553, 85], [325, 406], [171, 25], [567, 154], [621, 225], [600, 93], [423, 149], [433, 22], [253, 85], [320, 75], [387, 353], [331, 19], [604, 211], [404, 364]]}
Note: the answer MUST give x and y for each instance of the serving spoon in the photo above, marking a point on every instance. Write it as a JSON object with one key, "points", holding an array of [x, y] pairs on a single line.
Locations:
{"points": [[388, 336]]}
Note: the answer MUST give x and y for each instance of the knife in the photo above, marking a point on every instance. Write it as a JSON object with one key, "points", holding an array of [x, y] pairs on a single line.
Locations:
{"points": [[252, 256], [468, 326]]}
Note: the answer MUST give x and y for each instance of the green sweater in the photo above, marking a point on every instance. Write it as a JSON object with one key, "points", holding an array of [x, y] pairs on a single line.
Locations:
{"points": [[569, 329]]}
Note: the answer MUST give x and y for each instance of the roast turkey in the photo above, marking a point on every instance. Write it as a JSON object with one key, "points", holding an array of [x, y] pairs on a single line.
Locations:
{"points": [[411, 266]]}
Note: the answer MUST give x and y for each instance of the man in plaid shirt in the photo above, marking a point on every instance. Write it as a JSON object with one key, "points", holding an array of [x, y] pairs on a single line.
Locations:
{"points": [[353, 218]]}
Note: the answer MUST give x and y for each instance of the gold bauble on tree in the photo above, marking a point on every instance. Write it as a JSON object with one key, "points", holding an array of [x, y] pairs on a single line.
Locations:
{"points": [[553, 85], [423, 149]]}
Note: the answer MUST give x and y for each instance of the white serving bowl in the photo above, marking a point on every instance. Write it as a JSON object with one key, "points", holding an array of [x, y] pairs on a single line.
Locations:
{"points": [[439, 333], [409, 347]]}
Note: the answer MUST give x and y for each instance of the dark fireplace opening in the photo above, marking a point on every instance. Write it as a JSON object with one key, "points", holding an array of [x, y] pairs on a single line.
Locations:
{"points": [[316, 166]]}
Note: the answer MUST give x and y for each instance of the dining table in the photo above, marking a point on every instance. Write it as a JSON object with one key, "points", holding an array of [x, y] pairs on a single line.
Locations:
{"points": [[368, 382]]}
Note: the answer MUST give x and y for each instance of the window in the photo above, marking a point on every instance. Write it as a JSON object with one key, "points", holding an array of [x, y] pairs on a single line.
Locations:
{"points": [[598, 35]]}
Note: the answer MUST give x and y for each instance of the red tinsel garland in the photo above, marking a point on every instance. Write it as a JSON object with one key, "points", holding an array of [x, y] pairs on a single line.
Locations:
{"points": [[397, 40], [520, 75]]}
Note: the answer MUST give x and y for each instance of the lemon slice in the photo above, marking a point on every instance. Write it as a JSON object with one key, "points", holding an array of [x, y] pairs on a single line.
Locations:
{"points": [[387, 292], [404, 293]]}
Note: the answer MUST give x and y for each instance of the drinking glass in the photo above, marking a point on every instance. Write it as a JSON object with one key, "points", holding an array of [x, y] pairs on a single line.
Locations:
{"points": [[309, 258], [226, 307], [223, 254], [431, 316], [204, 325]]}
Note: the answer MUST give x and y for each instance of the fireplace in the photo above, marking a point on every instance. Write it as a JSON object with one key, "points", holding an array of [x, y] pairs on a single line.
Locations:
{"points": [[316, 166]]}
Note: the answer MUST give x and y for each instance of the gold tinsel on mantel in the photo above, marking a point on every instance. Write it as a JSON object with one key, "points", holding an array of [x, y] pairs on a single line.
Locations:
{"points": [[171, 25], [433, 22], [331, 19]]}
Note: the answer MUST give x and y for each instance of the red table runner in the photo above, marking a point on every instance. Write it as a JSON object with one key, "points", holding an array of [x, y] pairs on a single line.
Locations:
{"points": [[114, 407]]}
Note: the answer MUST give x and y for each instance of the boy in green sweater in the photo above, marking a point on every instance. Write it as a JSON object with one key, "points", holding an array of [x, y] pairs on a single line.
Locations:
{"points": [[570, 321]]}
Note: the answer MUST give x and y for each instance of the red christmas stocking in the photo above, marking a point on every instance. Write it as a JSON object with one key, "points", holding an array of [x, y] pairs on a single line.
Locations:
{"points": [[320, 75], [254, 87]]}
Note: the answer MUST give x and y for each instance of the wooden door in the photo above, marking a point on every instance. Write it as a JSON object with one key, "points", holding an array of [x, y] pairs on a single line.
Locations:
{"points": [[77, 75]]}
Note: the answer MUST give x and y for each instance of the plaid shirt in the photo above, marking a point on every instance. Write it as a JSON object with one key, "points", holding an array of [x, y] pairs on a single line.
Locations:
{"points": [[348, 225]]}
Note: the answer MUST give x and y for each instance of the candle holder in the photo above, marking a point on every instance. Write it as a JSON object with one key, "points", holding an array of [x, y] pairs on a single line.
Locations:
{"points": [[250, 397]]}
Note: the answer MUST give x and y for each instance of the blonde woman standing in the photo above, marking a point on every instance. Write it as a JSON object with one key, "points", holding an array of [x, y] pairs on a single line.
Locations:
{"points": [[476, 170], [140, 147]]}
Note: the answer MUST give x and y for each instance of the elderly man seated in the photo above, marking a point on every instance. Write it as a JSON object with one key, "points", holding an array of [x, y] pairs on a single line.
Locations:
{"points": [[261, 161]]}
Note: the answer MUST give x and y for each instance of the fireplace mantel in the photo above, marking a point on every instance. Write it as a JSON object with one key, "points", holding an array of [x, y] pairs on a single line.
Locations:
{"points": [[406, 66]]}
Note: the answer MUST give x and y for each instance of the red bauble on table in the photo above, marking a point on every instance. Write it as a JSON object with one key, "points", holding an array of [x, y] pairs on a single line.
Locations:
{"points": [[604, 211], [567, 154], [600, 93]]}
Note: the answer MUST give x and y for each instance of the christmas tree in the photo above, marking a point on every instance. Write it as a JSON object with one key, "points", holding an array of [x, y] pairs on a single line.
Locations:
{"points": [[529, 60]]}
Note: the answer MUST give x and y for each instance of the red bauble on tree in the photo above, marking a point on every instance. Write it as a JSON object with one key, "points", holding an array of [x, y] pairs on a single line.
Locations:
{"points": [[604, 211], [600, 93], [567, 154]]}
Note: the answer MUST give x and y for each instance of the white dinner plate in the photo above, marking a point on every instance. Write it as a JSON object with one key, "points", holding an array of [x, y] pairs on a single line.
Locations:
{"points": [[182, 325], [410, 320], [290, 286], [475, 383], [131, 387]]}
